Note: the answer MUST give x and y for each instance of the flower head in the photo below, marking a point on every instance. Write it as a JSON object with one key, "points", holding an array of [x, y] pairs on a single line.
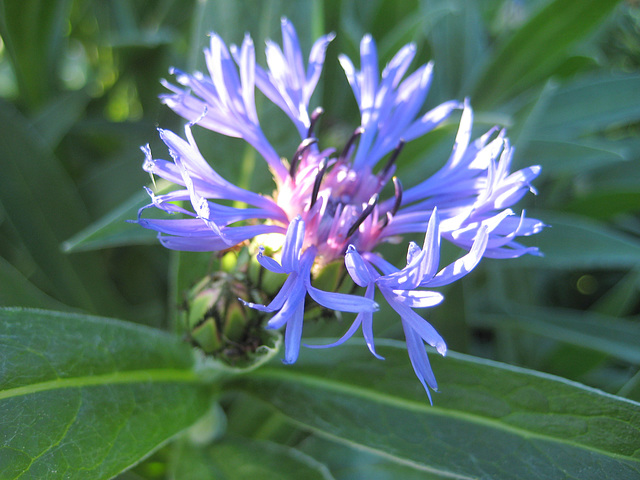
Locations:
{"points": [[328, 204]]}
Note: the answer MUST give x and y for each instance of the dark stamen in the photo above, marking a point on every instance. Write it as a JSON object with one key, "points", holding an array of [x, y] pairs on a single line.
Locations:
{"points": [[345, 152], [314, 119], [322, 169], [365, 213], [304, 145], [396, 205], [394, 157], [398, 194]]}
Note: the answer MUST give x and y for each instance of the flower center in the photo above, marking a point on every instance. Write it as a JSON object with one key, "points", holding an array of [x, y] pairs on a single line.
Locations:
{"points": [[338, 203]]}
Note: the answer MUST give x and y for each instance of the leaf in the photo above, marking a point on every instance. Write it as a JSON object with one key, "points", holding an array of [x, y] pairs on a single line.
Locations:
{"points": [[491, 421], [603, 333], [43, 205], [114, 230], [576, 242], [60, 115], [17, 290], [33, 31], [346, 463], [538, 48], [591, 104], [562, 157], [87, 397], [238, 458]]}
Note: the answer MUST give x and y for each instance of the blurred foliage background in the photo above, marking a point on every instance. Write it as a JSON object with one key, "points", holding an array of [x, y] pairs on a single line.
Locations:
{"points": [[79, 86]]}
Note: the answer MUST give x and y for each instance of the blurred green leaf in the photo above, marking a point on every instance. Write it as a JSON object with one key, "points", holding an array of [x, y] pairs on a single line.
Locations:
{"points": [[538, 48], [87, 397], [603, 333], [33, 32], [620, 299], [489, 421], [458, 46], [238, 458], [576, 242], [564, 157], [55, 120], [591, 104], [114, 229], [348, 463], [44, 207], [17, 290]]}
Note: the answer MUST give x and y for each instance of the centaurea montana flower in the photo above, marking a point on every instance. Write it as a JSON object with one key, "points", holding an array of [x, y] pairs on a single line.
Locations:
{"points": [[326, 206]]}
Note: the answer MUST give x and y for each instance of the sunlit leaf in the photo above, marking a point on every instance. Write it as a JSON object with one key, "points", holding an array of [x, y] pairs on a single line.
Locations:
{"points": [[489, 421], [86, 397]]}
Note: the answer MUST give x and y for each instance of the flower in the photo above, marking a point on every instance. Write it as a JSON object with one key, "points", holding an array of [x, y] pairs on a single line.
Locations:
{"points": [[327, 206]]}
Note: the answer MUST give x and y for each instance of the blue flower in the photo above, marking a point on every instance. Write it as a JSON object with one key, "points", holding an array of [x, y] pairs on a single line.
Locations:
{"points": [[289, 302], [327, 207], [402, 288]]}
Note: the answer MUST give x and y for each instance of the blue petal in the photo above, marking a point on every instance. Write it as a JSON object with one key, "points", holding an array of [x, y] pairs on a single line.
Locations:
{"points": [[269, 263], [342, 301], [293, 335], [293, 245], [357, 267], [417, 323], [419, 360], [418, 298]]}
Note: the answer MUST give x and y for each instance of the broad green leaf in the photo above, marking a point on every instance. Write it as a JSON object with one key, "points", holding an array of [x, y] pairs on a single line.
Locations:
{"points": [[616, 337], [87, 397], [591, 104], [538, 48], [238, 458], [115, 229], [577, 242], [347, 463], [490, 421], [562, 157]]}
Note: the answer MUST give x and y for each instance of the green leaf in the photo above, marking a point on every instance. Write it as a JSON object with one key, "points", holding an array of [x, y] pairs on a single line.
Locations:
{"points": [[33, 31], [238, 458], [562, 157], [87, 397], [114, 230], [17, 290], [603, 333], [43, 205], [60, 115], [538, 48], [347, 463], [489, 421], [612, 100], [576, 242]]}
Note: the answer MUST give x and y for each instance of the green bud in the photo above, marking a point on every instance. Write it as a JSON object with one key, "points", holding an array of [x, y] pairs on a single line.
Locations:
{"points": [[216, 320]]}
